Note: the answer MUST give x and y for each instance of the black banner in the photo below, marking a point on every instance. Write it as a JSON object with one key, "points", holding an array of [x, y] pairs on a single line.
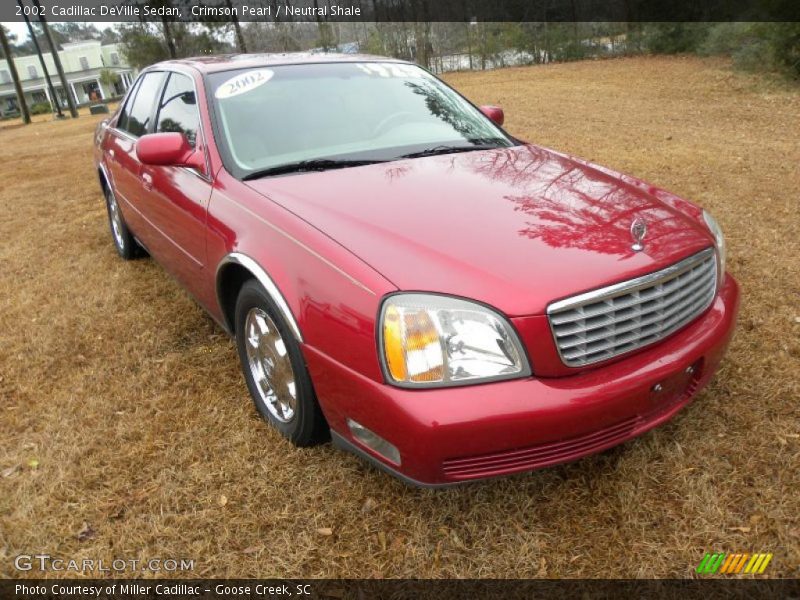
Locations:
{"points": [[407, 10], [396, 589]]}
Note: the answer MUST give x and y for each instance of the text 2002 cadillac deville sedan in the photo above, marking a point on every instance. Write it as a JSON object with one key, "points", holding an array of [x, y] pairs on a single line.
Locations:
{"points": [[400, 273]]}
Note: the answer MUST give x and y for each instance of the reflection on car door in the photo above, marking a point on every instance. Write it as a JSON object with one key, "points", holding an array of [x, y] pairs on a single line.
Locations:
{"points": [[176, 198]]}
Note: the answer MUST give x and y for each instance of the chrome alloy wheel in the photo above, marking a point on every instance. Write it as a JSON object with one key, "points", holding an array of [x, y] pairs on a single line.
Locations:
{"points": [[270, 365], [116, 219]]}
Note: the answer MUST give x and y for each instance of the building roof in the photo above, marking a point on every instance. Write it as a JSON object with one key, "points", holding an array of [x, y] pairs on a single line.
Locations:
{"points": [[226, 62]]}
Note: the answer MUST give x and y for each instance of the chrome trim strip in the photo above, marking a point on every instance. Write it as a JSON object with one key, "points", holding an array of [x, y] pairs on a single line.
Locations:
{"points": [[626, 287], [266, 281], [313, 253], [122, 134]]}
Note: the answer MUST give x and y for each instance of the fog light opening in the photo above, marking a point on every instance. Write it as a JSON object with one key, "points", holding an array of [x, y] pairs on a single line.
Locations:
{"points": [[374, 442]]}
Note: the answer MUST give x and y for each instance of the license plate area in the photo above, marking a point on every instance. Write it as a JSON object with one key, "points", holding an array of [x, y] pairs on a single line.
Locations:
{"points": [[675, 390]]}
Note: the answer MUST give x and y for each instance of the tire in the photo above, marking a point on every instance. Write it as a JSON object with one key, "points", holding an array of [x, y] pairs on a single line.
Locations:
{"points": [[274, 369], [126, 245]]}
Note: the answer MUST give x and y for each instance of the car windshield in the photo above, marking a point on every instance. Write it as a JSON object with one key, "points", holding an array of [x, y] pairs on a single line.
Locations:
{"points": [[341, 114]]}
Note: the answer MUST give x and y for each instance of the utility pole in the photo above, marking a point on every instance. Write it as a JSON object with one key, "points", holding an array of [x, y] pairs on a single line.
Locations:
{"points": [[73, 110], [53, 94], [23, 106]]}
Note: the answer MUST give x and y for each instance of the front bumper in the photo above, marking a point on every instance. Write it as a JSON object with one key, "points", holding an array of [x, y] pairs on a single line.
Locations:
{"points": [[451, 435]]}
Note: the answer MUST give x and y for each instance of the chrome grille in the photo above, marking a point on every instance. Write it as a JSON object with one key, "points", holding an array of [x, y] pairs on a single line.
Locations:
{"points": [[605, 323]]}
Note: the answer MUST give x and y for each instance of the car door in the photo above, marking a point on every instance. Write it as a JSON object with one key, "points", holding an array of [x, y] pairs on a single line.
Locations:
{"points": [[176, 198], [135, 119], [117, 157]]}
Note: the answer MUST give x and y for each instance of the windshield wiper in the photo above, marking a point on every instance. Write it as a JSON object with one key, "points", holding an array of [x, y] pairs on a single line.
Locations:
{"points": [[318, 164], [436, 150]]}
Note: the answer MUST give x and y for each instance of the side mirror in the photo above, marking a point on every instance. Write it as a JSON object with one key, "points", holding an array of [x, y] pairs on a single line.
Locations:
{"points": [[495, 113], [168, 149]]}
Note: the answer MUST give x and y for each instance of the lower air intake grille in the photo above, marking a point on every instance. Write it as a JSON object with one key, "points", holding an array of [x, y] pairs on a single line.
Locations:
{"points": [[543, 455]]}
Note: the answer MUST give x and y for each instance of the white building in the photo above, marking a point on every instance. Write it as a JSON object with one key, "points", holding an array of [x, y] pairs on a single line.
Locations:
{"points": [[84, 64]]}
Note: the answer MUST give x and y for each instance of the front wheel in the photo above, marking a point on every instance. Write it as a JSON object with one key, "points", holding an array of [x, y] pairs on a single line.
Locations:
{"points": [[274, 368]]}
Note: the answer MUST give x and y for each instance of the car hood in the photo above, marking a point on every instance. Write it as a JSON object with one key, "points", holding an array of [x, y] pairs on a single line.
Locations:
{"points": [[516, 228]]}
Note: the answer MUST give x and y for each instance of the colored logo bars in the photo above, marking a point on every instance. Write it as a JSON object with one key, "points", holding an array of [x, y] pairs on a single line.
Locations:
{"points": [[732, 564]]}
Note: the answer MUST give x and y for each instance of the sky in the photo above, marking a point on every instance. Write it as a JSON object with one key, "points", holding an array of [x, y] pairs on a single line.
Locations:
{"points": [[21, 30], [18, 29]]}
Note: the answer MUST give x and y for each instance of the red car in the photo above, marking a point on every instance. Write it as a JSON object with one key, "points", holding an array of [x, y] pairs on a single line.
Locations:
{"points": [[403, 275]]}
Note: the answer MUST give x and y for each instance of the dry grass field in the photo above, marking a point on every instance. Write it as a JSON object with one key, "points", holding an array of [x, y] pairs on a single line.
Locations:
{"points": [[126, 430]]}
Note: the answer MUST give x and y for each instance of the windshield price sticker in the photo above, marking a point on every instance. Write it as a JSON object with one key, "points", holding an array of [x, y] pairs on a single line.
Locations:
{"points": [[241, 84]]}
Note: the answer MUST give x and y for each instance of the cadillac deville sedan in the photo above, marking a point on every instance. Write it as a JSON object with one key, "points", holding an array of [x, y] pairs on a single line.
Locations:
{"points": [[402, 275]]}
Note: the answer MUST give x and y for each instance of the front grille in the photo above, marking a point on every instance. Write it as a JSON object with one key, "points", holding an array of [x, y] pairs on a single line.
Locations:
{"points": [[605, 323]]}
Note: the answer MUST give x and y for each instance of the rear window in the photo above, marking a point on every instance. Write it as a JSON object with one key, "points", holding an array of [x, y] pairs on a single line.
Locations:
{"points": [[122, 121], [142, 110]]}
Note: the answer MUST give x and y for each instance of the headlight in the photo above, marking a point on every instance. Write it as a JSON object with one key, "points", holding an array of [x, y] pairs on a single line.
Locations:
{"points": [[428, 340], [716, 231]]}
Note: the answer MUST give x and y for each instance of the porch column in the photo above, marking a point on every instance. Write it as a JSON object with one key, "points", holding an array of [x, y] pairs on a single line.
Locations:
{"points": [[100, 88], [74, 93], [49, 99]]}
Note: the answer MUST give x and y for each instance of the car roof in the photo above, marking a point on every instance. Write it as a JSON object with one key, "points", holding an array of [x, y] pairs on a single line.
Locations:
{"points": [[226, 62]]}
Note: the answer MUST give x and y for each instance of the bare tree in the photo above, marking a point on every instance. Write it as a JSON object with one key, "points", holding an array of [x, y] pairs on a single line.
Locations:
{"points": [[73, 109], [166, 29], [23, 106], [54, 102], [237, 28]]}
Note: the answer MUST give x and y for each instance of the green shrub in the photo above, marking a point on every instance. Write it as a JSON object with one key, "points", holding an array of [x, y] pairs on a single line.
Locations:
{"points": [[727, 38], [741, 41], [42, 108], [752, 57], [757, 46], [673, 38], [783, 45]]}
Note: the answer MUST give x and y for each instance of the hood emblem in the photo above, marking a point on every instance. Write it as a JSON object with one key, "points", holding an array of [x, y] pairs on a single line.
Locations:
{"points": [[638, 231]]}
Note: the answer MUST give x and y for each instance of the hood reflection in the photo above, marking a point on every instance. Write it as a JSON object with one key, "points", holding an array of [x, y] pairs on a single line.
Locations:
{"points": [[570, 205]]}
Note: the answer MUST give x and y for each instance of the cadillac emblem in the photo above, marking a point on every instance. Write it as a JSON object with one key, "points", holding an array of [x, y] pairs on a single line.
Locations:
{"points": [[638, 231]]}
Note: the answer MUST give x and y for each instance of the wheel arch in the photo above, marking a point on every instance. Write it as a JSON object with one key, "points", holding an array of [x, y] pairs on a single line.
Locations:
{"points": [[232, 272]]}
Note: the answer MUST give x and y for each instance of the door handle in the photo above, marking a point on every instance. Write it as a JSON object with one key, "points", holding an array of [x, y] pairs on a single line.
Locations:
{"points": [[147, 181], [111, 153]]}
